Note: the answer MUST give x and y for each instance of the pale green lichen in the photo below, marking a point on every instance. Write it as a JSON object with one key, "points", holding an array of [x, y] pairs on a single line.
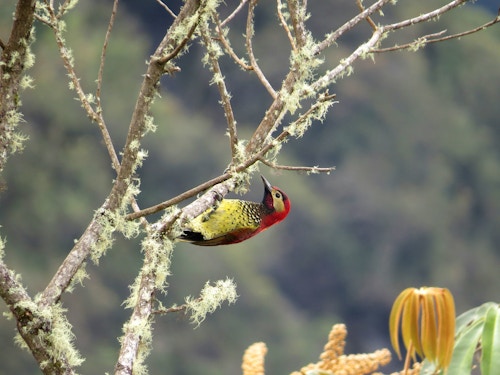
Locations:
{"points": [[240, 154], [149, 125], [317, 112], [143, 351], [29, 57], [112, 221], [14, 140], [134, 144], [200, 17], [106, 239], [132, 299], [62, 338], [78, 278], [304, 64], [158, 252], [417, 44], [52, 328], [142, 329], [90, 98], [2, 247], [65, 6], [211, 297], [42, 11], [26, 82]]}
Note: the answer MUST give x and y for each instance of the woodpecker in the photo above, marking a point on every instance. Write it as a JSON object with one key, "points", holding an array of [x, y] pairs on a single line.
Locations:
{"points": [[235, 220]]}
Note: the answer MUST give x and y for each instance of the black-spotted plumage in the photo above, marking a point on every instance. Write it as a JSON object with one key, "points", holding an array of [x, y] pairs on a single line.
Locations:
{"points": [[235, 220]]}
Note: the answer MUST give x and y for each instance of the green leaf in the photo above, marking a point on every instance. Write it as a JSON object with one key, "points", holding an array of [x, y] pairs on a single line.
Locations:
{"points": [[470, 316], [490, 340], [465, 347]]}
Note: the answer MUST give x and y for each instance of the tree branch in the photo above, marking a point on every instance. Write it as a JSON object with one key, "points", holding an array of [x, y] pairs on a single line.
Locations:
{"points": [[12, 66], [284, 24], [99, 111], [332, 37], [309, 170], [225, 43], [435, 38], [33, 324], [225, 97], [165, 6], [253, 61], [102, 223], [51, 19], [361, 7], [136, 341], [234, 13]]}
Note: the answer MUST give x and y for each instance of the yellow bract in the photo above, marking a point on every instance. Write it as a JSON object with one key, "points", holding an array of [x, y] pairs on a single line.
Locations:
{"points": [[427, 320]]}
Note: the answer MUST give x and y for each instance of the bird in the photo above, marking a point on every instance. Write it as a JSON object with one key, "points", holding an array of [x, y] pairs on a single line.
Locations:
{"points": [[235, 220]]}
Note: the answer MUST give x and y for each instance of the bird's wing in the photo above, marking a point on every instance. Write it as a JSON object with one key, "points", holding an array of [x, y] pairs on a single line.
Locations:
{"points": [[197, 238], [218, 227]]}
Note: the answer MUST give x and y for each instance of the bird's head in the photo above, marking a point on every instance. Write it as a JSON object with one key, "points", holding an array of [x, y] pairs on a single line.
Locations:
{"points": [[276, 203]]}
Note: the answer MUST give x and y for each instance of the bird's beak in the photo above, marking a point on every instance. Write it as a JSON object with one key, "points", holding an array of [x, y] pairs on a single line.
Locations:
{"points": [[267, 185]]}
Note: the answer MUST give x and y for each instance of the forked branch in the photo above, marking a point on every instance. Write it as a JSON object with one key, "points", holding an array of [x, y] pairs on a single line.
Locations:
{"points": [[435, 38]]}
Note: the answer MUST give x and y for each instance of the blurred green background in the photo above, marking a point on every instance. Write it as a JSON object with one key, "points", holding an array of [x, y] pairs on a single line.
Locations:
{"points": [[415, 199]]}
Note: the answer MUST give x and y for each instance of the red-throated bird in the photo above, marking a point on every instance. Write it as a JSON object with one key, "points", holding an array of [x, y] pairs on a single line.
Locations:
{"points": [[235, 220]]}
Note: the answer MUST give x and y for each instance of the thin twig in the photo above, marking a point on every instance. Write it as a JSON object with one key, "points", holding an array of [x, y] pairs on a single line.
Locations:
{"points": [[179, 47], [165, 311], [433, 38], [419, 42], [349, 25], [314, 169], [326, 97], [234, 13], [67, 59], [361, 7], [165, 6], [179, 198], [168, 310], [424, 17], [253, 61], [99, 112], [63, 8], [332, 74], [227, 46], [365, 48], [284, 24], [223, 92]]}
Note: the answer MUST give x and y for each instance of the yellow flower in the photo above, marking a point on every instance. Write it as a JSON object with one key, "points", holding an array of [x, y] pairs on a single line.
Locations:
{"points": [[427, 320]]}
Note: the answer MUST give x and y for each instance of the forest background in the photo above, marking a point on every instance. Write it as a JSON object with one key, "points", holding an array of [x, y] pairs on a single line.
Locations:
{"points": [[414, 200]]}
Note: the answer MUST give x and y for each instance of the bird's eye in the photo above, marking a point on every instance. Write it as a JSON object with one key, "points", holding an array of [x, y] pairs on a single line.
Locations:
{"points": [[277, 195]]}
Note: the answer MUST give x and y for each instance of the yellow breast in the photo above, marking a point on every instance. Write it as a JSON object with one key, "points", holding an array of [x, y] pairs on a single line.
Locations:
{"points": [[232, 215]]}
